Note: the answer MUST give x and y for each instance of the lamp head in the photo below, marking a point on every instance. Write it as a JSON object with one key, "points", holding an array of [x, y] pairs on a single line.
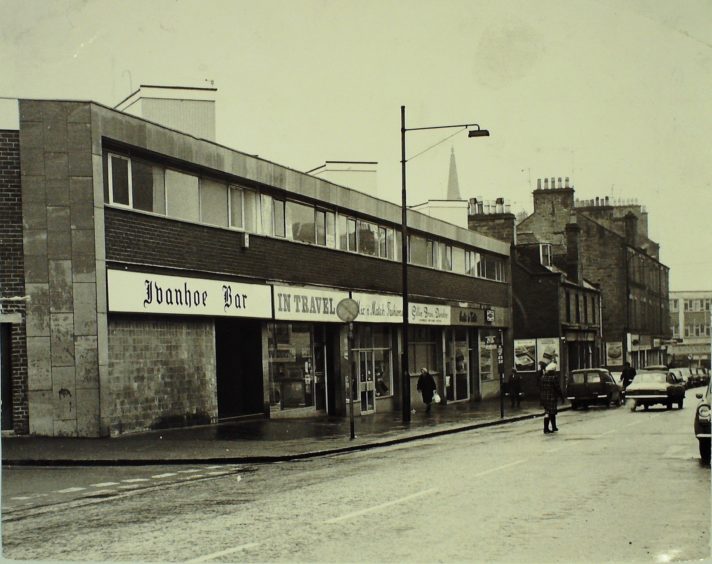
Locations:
{"points": [[478, 133]]}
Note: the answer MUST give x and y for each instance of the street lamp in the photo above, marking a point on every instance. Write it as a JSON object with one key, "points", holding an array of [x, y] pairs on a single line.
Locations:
{"points": [[405, 382]]}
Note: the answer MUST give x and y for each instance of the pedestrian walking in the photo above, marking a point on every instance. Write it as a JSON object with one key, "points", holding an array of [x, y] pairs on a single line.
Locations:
{"points": [[515, 387], [627, 375], [550, 393], [426, 386]]}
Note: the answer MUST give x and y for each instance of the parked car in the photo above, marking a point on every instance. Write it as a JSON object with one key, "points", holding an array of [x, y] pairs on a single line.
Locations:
{"points": [[705, 375], [702, 423], [650, 387], [690, 375], [680, 375], [593, 386]]}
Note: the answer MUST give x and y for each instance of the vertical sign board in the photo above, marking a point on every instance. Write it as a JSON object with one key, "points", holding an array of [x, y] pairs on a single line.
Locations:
{"points": [[140, 292], [547, 348]]}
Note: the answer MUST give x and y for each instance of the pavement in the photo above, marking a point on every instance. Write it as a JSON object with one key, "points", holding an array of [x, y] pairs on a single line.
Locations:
{"points": [[260, 440]]}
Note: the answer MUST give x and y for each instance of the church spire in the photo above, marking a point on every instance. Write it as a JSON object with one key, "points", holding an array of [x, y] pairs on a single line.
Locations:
{"points": [[453, 186]]}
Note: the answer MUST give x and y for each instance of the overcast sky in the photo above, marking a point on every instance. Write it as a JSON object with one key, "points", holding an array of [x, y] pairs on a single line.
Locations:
{"points": [[614, 94]]}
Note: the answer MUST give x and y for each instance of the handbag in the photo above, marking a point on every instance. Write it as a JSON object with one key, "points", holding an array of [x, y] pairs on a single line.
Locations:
{"points": [[436, 397]]}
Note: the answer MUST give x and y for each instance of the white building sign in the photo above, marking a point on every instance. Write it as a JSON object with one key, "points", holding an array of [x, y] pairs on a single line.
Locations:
{"points": [[429, 314], [379, 308], [139, 292], [306, 304]]}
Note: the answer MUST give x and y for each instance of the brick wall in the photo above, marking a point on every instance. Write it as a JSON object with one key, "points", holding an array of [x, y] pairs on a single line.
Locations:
{"points": [[139, 238], [162, 373], [12, 282]]}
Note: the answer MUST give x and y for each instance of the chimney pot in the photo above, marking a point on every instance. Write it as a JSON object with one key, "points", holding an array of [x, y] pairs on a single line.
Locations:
{"points": [[560, 185], [538, 183], [546, 184], [567, 182], [553, 183]]}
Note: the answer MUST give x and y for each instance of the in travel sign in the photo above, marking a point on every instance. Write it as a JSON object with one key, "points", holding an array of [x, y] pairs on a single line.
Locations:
{"points": [[138, 292], [307, 304]]}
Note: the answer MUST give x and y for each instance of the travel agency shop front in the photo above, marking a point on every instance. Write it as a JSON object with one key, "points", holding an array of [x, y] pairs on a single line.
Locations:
{"points": [[202, 283]]}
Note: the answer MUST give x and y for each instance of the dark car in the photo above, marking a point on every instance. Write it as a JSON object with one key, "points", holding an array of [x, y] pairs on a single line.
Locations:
{"points": [[650, 387], [702, 423], [589, 386]]}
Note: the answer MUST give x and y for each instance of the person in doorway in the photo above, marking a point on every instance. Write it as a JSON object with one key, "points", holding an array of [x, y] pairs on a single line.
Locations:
{"points": [[550, 393], [627, 375], [426, 386], [515, 387]]}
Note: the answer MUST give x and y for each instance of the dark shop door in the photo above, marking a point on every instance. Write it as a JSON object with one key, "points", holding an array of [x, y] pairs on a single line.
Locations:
{"points": [[5, 377], [238, 347]]}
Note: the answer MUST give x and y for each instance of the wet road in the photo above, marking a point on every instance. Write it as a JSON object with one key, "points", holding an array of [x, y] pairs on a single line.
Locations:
{"points": [[612, 485]]}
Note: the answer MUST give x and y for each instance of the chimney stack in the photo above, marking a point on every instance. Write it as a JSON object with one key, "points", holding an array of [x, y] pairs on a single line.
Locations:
{"points": [[631, 229], [574, 268]]}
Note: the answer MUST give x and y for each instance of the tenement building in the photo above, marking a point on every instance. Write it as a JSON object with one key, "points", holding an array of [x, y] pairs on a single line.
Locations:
{"points": [[151, 277], [616, 255], [555, 309]]}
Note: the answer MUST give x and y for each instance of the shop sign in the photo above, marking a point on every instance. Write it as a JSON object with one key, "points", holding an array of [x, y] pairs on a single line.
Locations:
{"points": [[139, 292], [429, 314], [468, 316], [379, 308], [306, 304]]}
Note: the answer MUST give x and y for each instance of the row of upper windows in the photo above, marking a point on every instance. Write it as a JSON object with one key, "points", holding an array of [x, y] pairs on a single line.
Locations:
{"points": [[147, 186], [692, 305], [580, 308]]}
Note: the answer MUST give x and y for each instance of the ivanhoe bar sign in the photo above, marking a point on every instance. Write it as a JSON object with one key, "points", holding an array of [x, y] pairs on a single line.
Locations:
{"points": [[138, 292]]}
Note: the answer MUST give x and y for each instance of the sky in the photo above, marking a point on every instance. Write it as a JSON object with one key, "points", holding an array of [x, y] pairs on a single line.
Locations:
{"points": [[616, 95]]}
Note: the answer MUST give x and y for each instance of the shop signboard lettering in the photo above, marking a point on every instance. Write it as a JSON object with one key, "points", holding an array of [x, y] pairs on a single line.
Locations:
{"points": [[306, 304], [429, 314], [378, 308], [140, 292]]}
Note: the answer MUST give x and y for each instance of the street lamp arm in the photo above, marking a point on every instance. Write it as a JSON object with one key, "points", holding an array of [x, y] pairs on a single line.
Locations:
{"points": [[443, 127]]}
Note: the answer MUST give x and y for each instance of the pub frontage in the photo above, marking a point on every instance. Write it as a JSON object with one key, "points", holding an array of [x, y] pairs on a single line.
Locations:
{"points": [[180, 282]]}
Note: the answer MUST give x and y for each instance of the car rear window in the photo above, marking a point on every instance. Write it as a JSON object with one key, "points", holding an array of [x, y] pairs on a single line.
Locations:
{"points": [[650, 377]]}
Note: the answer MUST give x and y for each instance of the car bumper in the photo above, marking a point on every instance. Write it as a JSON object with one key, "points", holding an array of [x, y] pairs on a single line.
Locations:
{"points": [[658, 397]]}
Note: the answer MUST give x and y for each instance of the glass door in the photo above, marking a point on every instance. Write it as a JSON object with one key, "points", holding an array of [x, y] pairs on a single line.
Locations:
{"points": [[366, 383], [457, 364]]}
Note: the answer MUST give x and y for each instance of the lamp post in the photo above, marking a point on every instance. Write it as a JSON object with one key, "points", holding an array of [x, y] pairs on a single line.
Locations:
{"points": [[405, 382]]}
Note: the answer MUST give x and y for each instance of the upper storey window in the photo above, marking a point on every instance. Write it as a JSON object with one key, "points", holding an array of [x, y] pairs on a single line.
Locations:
{"points": [[135, 183]]}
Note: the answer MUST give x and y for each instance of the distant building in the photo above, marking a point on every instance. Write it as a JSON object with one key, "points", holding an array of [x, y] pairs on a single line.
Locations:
{"points": [[616, 255], [690, 320], [453, 208]]}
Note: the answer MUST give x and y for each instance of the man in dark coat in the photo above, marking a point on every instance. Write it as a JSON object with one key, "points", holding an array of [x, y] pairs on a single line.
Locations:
{"points": [[426, 386], [627, 375], [515, 387], [550, 393]]}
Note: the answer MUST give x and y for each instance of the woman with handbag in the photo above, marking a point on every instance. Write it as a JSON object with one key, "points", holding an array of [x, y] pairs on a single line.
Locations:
{"points": [[426, 386]]}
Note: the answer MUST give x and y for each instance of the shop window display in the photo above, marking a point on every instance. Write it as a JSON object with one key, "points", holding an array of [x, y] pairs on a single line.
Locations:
{"points": [[291, 365], [488, 355]]}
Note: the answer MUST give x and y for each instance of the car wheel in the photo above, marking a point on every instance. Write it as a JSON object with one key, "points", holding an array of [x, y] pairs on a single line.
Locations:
{"points": [[633, 405], [620, 401], [668, 405], [574, 405], [608, 401], [645, 407], [704, 450], [679, 404]]}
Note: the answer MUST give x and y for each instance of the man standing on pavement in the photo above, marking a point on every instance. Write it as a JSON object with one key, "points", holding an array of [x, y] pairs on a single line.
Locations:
{"points": [[550, 393], [515, 381]]}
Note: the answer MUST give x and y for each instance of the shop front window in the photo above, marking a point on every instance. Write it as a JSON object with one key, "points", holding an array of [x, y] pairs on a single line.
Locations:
{"points": [[291, 365], [488, 355]]}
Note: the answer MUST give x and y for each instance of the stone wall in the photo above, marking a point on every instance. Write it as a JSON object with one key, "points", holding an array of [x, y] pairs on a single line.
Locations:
{"points": [[162, 373], [59, 268]]}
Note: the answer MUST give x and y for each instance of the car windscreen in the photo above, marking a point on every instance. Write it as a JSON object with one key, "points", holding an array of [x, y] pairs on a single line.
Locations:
{"points": [[593, 378], [650, 377], [577, 377]]}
